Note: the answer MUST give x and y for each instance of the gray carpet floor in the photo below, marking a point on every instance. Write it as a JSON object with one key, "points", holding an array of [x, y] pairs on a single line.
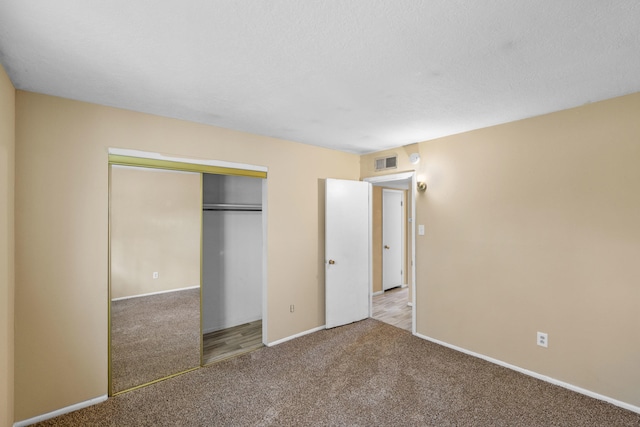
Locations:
{"points": [[364, 374], [153, 337]]}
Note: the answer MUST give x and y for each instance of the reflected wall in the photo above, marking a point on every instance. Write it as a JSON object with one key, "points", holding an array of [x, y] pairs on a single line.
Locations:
{"points": [[155, 241]]}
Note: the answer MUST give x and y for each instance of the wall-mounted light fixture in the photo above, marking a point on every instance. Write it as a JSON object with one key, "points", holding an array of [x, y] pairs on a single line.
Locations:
{"points": [[422, 186]]}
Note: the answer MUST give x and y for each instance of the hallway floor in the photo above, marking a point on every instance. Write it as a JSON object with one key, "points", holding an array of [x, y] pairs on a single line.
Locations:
{"points": [[391, 307]]}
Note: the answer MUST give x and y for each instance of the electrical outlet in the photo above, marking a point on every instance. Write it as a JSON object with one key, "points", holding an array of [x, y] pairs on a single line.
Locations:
{"points": [[543, 339], [155, 275], [292, 308]]}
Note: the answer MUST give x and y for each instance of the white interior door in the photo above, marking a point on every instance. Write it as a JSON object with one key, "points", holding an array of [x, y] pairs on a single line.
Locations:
{"points": [[392, 241], [347, 251]]}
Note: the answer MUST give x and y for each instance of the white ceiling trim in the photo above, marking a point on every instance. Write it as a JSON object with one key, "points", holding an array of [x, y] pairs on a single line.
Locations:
{"points": [[205, 162]]}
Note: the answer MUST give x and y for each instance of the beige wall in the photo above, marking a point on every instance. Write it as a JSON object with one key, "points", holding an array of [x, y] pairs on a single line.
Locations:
{"points": [[534, 226], [156, 219], [531, 226], [7, 283], [61, 233]]}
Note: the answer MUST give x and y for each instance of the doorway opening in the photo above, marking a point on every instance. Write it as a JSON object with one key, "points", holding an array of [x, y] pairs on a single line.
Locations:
{"points": [[393, 249]]}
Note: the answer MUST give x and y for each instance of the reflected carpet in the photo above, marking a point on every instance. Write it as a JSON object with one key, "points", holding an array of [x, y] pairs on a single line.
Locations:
{"points": [[153, 337]]}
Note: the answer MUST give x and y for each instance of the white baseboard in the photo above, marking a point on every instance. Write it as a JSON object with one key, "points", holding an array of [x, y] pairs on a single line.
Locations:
{"points": [[310, 331], [533, 374], [156, 293], [61, 411], [378, 293]]}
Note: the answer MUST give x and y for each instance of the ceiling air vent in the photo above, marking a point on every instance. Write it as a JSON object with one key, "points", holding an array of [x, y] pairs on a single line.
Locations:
{"points": [[387, 163]]}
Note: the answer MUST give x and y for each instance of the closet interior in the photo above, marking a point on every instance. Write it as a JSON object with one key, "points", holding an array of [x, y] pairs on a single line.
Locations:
{"points": [[231, 265]]}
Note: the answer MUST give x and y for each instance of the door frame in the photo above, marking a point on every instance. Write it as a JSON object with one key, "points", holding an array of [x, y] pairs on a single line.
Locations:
{"points": [[159, 161], [380, 179]]}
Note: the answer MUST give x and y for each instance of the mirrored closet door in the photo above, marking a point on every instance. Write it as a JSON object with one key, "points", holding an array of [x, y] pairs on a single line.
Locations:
{"points": [[155, 247]]}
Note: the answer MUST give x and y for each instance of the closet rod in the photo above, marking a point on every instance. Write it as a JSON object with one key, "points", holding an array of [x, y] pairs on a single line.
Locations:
{"points": [[231, 207]]}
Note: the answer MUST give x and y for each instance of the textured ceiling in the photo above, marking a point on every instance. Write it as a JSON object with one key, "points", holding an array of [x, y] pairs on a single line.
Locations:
{"points": [[358, 76]]}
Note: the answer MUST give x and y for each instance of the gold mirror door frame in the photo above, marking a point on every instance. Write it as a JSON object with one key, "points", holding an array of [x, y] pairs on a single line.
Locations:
{"points": [[155, 272]]}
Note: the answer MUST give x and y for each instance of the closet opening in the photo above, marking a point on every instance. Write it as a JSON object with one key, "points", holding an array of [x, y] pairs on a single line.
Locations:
{"points": [[187, 265], [231, 266]]}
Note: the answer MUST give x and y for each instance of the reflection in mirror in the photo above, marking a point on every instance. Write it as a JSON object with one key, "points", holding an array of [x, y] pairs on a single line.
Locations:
{"points": [[155, 229]]}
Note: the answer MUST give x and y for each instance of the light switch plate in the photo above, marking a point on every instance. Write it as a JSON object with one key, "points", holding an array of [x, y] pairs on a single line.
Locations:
{"points": [[421, 230]]}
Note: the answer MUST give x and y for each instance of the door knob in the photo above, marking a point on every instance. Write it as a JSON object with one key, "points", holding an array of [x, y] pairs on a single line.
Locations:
{"points": [[387, 247], [331, 262]]}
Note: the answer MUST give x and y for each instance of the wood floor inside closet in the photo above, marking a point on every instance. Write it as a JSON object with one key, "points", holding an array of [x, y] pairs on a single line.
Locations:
{"points": [[219, 345]]}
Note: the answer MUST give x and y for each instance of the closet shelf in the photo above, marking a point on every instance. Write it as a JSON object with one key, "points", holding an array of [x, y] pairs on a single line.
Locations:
{"points": [[231, 207]]}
